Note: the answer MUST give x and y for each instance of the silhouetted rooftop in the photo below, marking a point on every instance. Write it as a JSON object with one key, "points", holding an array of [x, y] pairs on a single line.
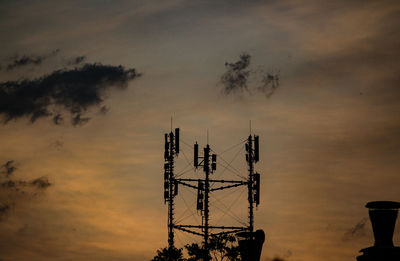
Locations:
{"points": [[383, 205]]}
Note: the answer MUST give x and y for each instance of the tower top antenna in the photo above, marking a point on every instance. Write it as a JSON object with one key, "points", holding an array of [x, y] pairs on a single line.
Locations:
{"points": [[250, 126]]}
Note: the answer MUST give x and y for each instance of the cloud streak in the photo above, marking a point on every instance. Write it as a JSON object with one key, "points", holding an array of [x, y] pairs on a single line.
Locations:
{"points": [[75, 90], [4, 209], [77, 60], [38, 183], [8, 168], [358, 230], [275, 259], [26, 60], [9, 188]]}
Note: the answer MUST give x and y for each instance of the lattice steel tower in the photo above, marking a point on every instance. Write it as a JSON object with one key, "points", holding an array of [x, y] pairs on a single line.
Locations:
{"points": [[208, 162]]}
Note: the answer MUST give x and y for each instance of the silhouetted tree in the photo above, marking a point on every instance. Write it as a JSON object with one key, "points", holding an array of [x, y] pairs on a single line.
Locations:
{"points": [[221, 247], [167, 254], [197, 252]]}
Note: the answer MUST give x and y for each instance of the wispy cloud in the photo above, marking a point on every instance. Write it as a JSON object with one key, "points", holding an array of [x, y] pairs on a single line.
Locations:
{"points": [[4, 208], [275, 259], [358, 230], [77, 60], [8, 168], [39, 183], [11, 187], [25, 60]]}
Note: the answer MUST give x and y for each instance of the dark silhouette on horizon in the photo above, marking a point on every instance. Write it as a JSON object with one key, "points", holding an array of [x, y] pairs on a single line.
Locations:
{"points": [[383, 215], [250, 245], [243, 246]]}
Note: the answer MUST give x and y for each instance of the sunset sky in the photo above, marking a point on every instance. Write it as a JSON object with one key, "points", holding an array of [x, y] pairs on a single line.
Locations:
{"points": [[81, 172]]}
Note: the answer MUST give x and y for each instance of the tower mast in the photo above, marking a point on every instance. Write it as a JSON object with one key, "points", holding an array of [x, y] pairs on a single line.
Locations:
{"points": [[170, 184]]}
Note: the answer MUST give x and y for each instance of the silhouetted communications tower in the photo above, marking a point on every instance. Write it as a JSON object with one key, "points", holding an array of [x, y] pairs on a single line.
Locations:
{"points": [[250, 241]]}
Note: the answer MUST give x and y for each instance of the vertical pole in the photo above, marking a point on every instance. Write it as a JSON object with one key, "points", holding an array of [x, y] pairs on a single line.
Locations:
{"points": [[171, 194], [206, 198], [250, 184], [250, 126]]}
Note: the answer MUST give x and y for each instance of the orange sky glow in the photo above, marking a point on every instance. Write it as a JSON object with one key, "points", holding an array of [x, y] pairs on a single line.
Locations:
{"points": [[329, 134]]}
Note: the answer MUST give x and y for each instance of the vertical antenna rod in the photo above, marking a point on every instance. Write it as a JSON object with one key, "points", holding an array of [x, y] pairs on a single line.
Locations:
{"points": [[250, 126], [170, 184], [206, 195], [252, 157], [250, 184], [206, 163]]}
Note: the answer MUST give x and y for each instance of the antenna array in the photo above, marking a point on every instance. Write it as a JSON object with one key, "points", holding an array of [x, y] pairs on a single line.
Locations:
{"points": [[170, 183], [208, 162]]}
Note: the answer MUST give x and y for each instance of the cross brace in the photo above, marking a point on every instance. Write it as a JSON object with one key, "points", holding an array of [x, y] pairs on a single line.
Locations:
{"points": [[215, 227]]}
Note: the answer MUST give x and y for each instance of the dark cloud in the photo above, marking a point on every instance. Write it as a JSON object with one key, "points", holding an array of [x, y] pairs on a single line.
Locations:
{"points": [[30, 60], [4, 208], [358, 230], [10, 188], [8, 168], [104, 109], [282, 257], [8, 184], [269, 83], [77, 60], [236, 75], [40, 183], [238, 78], [74, 90], [58, 119], [57, 144], [275, 259], [78, 120]]}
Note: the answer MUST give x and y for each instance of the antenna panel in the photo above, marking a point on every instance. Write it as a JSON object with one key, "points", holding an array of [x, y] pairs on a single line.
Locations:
{"points": [[256, 149], [200, 195], [196, 155], [177, 140], [257, 188], [206, 158], [171, 142], [214, 162]]}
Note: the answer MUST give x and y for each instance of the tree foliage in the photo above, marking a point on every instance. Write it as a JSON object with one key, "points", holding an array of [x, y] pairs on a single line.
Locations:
{"points": [[221, 248], [167, 254]]}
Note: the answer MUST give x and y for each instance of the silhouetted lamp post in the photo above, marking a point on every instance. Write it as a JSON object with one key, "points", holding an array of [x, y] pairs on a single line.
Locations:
{"points": [[383, 215]]}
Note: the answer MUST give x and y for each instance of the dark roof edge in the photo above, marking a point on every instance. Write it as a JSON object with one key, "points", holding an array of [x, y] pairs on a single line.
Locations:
{"points": [[383, 205]]}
